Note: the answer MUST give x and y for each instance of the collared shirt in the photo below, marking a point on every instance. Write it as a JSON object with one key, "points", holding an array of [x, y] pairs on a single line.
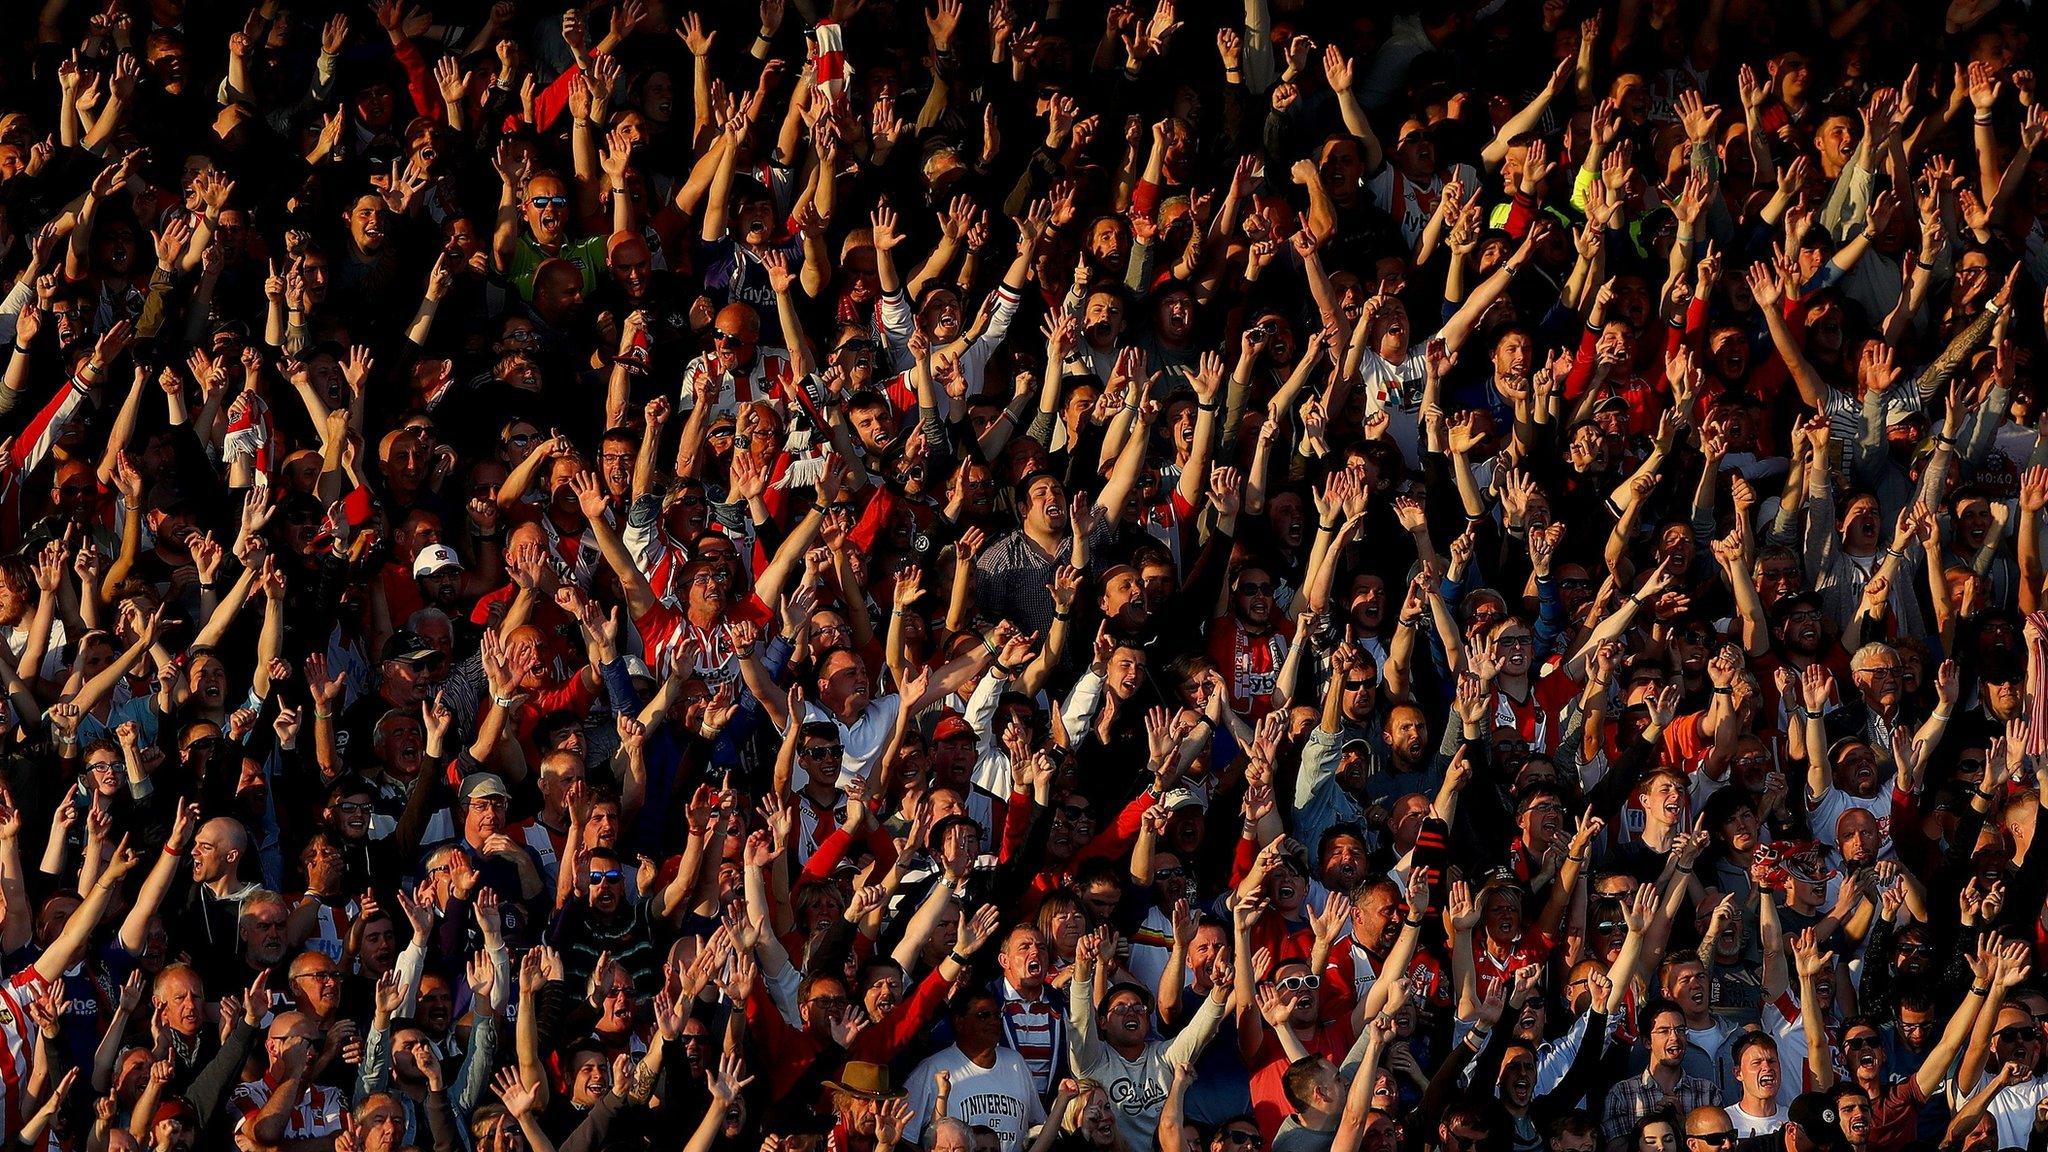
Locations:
{"points": [[1631, 1100]]}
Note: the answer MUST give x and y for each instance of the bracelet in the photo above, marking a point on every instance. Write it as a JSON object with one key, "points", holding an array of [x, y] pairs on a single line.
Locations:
{"points": [[1728, 691], [1924, 264], [1940, 715], [1211, 406], [1977, 991], [207, 585], [1063, 615], [505, 701], [1981, 118], [170, 851], [957, 958], [1411, 924], [1684, 868], [1575, 859], [1980, 793], [989, 645], [1326, 527]]}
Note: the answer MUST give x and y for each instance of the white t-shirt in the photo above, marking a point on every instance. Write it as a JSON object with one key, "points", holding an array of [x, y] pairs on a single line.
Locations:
{"points": [[52, 667], [1002, 1097], [1833, 802], [2013, 1109], [863, 739], [1746, 1125]]}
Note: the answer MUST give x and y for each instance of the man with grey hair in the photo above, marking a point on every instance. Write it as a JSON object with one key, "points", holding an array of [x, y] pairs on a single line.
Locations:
{"points": [[1859, 735], [949, 1135]]}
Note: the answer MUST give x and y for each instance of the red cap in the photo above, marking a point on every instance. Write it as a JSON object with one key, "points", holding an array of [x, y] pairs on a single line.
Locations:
{"points": [[952, 726]]}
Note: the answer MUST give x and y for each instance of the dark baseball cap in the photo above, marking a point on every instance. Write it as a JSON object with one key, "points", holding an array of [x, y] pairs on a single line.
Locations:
{"points": [[1814, 1113]]}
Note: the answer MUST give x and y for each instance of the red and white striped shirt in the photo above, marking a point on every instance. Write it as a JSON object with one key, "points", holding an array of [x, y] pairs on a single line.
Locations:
{"points": [[17, 1032]]}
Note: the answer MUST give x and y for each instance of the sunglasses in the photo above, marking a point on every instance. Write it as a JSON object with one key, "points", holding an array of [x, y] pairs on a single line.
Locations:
{"points": [[2020, 1032], [1308, 982], [1858, 1043], [1255, 589], [721, 334], [1163, 874], [548, 201], [1075, 813], [609, 875], [1244, 1139], [821, 751], [1717, 1139]]}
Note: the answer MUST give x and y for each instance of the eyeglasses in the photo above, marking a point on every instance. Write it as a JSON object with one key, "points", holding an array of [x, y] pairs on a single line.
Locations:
{"points": [[1308, 982], [1515, 641], [608, 876], [320, 977]]}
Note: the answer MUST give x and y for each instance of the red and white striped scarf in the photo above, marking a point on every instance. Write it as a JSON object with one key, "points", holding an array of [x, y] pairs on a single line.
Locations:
{"points": [[830, 71], [251, 433]]}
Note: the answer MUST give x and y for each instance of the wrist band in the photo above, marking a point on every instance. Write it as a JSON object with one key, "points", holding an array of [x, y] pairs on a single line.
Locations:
{"points": [[1981, 118], [1924, 264], [1063, 615], [1326, 527], [1977, 991], [170, 851], [1941, 716], [957, 958]]}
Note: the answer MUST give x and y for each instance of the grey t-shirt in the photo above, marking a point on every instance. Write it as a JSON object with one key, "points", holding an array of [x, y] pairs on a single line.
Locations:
{"points": [[1297, 1137]]}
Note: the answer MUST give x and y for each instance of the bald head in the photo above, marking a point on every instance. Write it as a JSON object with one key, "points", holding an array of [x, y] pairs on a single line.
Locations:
{"points": [[218, 849], [1707, 1120]]}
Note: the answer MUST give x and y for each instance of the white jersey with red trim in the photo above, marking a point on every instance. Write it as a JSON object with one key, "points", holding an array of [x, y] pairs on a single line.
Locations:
{"points": [[766, 378], [316, 1115]]}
